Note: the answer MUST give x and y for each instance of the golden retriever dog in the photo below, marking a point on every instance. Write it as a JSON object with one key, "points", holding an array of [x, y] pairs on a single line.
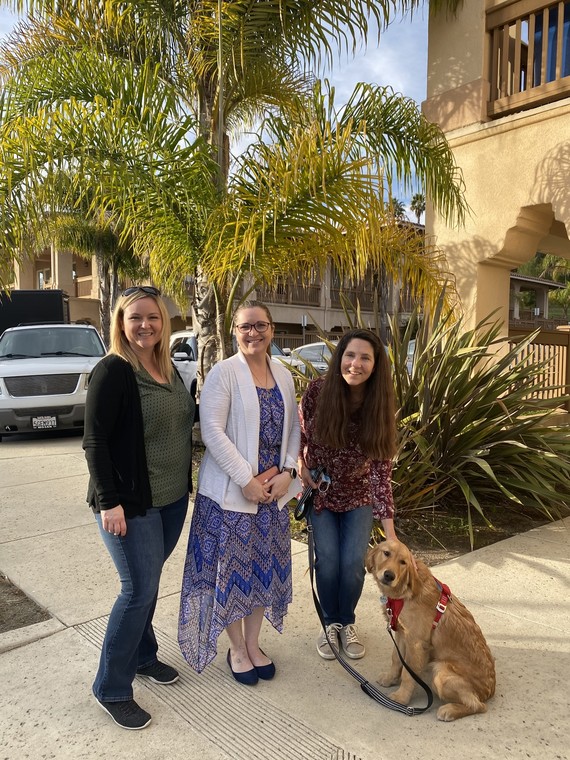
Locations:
{"points": [[461, 664]]}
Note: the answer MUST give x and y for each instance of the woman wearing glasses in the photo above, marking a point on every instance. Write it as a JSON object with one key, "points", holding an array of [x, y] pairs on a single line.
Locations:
{"points": [[348, 427], [238, 565], [137, 441]]}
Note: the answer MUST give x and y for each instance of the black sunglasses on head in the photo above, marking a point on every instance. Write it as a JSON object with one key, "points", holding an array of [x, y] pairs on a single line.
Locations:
{"points": [[148, 289]]}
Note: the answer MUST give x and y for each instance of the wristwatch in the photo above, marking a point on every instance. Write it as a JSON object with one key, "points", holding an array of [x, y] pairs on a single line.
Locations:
{"points": [[292, 472]]}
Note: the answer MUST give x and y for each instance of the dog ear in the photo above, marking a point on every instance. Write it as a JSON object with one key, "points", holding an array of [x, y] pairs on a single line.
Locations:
{"points": [[370, 557], [414, 575]]}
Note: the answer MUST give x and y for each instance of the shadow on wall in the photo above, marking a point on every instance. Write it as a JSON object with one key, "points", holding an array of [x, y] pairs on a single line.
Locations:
{"points": [[458, 106], [463, 258], [551, 181]]}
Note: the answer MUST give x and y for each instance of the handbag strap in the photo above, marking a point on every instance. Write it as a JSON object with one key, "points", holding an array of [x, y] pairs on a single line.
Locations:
{"points": [[365, 685]]}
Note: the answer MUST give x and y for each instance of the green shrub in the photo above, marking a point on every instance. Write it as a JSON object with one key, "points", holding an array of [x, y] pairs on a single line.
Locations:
{"points": [[472, 429]]}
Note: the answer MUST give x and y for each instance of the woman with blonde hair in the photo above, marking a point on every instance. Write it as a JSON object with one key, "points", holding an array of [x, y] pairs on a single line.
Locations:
{"points": [[137, 441]]}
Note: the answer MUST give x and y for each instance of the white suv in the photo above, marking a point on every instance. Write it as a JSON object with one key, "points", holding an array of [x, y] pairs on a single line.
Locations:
{"points": [[44, 371], [184, 353]]}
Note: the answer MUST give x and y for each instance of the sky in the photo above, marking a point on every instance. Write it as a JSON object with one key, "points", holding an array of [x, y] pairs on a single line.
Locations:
{"points": [[398, 60]]}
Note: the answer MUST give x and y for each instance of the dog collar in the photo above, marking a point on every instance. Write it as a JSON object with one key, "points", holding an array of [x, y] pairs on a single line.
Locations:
{"points": [[393, 608]]}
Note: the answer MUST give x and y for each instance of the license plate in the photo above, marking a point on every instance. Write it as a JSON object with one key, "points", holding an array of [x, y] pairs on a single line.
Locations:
{"points": [[44, 423]]}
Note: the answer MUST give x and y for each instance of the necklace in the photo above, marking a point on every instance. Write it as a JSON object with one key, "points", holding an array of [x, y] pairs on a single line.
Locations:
{"points": [[257, 380]]}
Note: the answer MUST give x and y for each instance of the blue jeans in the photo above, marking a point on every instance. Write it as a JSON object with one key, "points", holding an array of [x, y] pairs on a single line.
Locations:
{"points": [[341, 541], [139, 556]]}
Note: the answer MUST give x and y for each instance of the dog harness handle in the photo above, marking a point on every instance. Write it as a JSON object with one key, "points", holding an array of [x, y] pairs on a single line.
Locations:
{"points": [[444, 600]]}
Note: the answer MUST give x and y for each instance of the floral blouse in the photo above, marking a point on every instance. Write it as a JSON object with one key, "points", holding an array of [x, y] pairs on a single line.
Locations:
{"points": [[356, 480]]}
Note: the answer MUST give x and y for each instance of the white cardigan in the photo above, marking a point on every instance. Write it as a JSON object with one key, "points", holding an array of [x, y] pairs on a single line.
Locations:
{"points": [[229, 425]]}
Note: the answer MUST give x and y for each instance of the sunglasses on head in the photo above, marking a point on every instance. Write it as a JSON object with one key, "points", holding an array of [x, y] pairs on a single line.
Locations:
{"points": [[148, 289]]}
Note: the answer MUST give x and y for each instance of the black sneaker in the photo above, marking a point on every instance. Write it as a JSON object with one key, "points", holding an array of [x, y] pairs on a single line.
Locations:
{"points": [[159, 672], [126, 714]]}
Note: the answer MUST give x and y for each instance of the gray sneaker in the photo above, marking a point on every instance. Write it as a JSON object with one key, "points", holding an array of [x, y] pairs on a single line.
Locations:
{"points": [[350, 642], [323, 647]]}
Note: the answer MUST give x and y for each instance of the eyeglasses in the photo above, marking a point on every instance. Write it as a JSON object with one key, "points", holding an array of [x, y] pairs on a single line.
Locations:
{"points": [[246, 327], [148, 289]]}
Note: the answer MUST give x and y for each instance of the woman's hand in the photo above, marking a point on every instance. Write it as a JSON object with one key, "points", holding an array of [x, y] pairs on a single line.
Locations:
{"points": [[256, 492], [113, 521], [279, 485], [305, 475]]}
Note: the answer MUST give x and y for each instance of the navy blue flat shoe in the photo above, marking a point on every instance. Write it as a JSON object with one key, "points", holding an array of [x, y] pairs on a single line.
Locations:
{"points": [[249, 678], [265, 672]]}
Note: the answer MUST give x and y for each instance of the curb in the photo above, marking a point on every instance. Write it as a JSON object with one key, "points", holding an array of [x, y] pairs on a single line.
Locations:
{"points": [[20, 637]]}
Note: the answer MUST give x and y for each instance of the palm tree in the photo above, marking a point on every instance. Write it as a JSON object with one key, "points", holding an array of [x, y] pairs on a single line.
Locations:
{"points": [[112, 252], [418, 205], [127, 97], [397, 210], [561, 298]]}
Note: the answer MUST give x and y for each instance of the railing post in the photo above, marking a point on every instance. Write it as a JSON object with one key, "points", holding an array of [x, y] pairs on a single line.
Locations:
{"points": [[567, 371]]}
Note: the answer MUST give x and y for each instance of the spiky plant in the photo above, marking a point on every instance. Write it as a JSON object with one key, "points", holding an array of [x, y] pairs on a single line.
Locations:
{"points": [[473, 427]]}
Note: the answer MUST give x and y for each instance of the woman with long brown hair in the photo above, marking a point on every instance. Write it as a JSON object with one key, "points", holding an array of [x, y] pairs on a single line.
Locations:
{"points": [[348, 427]]}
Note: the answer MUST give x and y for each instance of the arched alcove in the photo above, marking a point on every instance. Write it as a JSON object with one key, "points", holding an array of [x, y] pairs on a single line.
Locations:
{"points": [[536, 229]]}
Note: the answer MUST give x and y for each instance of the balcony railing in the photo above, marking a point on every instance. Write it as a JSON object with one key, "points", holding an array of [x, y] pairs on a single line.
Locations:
{"points": [[530, 54], [293, 294], [83, 286], [354, 295]]}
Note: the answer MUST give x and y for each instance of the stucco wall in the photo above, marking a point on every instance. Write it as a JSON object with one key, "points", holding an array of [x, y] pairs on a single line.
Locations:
{"points": [[516, 169], [516, 174], [456, 48]]}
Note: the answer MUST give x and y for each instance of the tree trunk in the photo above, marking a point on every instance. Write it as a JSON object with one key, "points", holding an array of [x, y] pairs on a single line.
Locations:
{"points": [[383, 305], [104, 297], [113, 290], [205, 322], [207, 312]]}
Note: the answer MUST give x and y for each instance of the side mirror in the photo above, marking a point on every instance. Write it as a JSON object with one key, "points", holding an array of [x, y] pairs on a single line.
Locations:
{"points": [[181, 356], [286, 351]]}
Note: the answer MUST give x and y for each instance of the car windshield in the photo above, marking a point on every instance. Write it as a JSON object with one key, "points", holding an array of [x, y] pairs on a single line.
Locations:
{"points": [[275, 350], [50, 341], [311, 353]]}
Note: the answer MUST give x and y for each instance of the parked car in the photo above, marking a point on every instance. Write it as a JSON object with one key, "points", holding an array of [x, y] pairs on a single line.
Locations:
{"points": [[184, 354], [184, 341], [410, 355], [44, 372], [316, 355], [286, 357]]}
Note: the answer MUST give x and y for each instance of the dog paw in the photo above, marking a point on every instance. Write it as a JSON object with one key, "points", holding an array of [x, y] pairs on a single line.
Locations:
{"points": [[400, 696], [387, 679], [447, 713]]}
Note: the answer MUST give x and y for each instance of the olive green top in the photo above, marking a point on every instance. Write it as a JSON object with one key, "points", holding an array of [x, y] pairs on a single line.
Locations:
{"points": [[168, 415]]}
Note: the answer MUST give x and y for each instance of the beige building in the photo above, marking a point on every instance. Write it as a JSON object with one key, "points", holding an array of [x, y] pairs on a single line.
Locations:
{"points": [[499, 86], [300, 307]]}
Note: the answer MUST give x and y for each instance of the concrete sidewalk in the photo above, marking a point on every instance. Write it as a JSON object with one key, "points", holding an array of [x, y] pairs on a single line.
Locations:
{"points": [[49, 546]]}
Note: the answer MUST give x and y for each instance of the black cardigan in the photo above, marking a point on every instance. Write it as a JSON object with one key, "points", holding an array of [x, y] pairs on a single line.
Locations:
{"points": [[114, 440]]}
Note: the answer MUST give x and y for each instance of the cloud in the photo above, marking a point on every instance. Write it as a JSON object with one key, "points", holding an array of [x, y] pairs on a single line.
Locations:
{"points": [[7, 22], [399, 60]]}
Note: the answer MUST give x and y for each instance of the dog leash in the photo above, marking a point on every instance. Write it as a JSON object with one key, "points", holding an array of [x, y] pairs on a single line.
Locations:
{"points": [[365, 685]]}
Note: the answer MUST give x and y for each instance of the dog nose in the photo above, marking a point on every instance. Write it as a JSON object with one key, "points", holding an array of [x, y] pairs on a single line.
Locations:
{"points": [[388, 576]]}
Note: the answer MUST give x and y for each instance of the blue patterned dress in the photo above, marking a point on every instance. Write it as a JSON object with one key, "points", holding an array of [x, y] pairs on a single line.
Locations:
{"points": [[236, 561]]}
